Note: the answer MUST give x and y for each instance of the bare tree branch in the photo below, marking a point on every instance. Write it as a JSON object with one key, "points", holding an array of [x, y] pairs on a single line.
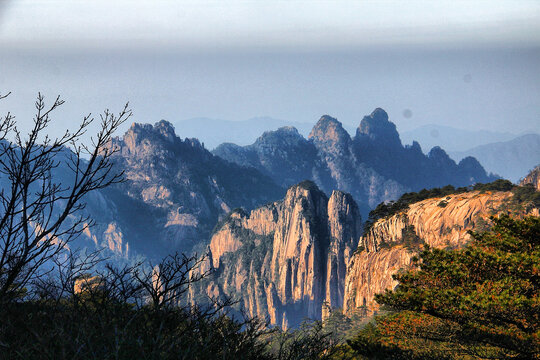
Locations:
{"points": [[34, 203]]}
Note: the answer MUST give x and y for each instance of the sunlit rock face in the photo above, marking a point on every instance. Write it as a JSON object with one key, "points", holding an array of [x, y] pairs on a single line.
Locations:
{"points": [[439, 222], [533, 178], [286, 259], [373, 166], [87, 284], [370, 273]]}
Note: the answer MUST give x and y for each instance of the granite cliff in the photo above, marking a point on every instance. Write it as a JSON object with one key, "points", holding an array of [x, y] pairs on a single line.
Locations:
{"points": [[286, 260], [441, 222]]}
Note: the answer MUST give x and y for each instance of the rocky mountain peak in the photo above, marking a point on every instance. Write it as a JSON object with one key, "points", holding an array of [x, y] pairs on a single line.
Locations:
{"points": [[299, 247], [373, 166], [377, 127], [416, 146], [472, 168], [330, 132], [379, 115], [160, 139], [165, 129], [439, 155], [161, 129], [306, 185], [144, 139], [307, 194], [324, 122], [283, 135], [287, 130]]}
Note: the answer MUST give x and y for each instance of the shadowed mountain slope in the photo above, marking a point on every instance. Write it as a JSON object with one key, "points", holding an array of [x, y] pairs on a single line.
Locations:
{"points": [[181, 187], [373, 166]]}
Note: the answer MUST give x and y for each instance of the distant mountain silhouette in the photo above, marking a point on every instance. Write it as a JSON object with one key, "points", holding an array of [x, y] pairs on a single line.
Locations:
{"points": [[452, 139], [510, 159], [213, 132], [373, 166]]}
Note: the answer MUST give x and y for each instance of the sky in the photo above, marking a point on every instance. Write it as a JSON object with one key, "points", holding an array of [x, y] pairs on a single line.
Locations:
{"points": [[466, 64]]}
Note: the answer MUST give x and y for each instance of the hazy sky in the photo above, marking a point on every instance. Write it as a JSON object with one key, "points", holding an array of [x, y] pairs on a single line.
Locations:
{"points": [[469, 64], [283, 24]]}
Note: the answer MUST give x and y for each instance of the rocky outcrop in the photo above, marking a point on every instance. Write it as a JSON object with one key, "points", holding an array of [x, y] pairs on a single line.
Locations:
{"points": [[344, 231], [225, 241], [391, 242], [175, 192], [370, 273], [376, 128], [284, 155], [439, 222], [533, 178], [373, 166], [288, 258]]}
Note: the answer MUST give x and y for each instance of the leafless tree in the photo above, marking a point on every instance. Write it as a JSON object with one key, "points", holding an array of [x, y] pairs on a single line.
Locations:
{"points": [[39, 214], [166, 282], [60, 281]]}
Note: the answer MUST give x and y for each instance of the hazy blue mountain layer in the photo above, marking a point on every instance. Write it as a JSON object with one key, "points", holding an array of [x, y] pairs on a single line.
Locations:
{"points": [[212, 132], [373, 165], [452, 139], [185, 188], [510, 159]]}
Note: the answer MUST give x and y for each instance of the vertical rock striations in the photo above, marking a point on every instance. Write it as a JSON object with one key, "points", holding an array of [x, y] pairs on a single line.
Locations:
{"points": [[344, 227], [390, 243], [290, 256]]}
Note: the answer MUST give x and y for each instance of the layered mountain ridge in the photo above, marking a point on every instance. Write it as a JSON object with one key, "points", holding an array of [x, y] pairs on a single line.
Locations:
{"points": [[176, 190], [290, 259], [373, 166], [509, 159], [174, 193]]}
